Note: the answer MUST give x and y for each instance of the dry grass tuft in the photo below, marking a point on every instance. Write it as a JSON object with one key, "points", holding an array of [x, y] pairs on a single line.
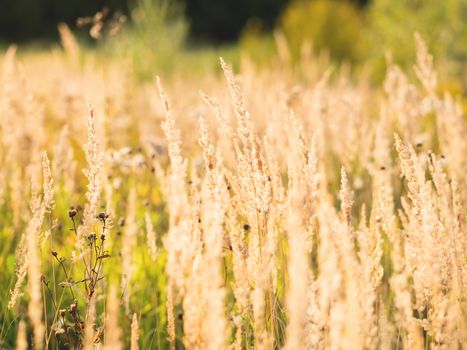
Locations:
{"points": [[276, 210]]}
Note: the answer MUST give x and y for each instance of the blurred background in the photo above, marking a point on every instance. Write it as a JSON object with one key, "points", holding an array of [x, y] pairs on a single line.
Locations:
{"points": [[150, 33]]}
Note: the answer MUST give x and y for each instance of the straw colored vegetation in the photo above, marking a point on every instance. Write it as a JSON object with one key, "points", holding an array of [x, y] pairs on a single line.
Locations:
{"points": [[279, 208]]}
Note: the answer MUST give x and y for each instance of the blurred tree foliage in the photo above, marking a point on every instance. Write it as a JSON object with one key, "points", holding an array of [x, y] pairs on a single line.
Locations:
{"points": [[211, 20], [333, 25], [442, 24], [157, 32]]}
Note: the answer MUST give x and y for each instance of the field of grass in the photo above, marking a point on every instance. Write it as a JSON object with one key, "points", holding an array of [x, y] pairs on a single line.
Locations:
{"points": [[288, 207]]}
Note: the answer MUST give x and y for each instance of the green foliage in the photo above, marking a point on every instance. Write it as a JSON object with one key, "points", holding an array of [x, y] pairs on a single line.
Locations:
{"points": [[156, 34], [336, 26], [442, 24], [257, 43]]}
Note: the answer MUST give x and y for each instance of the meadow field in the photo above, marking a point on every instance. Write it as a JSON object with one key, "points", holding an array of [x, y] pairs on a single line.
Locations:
{"points": [[289, 207]]}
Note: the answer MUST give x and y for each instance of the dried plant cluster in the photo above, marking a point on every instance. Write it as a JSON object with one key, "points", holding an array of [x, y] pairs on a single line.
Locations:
{"points": [[291, 209]]}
